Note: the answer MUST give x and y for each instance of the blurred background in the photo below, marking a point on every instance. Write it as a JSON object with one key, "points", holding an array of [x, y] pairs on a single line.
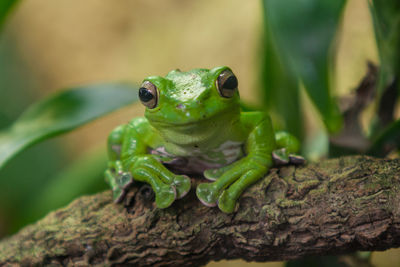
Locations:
{"points": [[47, 45]]}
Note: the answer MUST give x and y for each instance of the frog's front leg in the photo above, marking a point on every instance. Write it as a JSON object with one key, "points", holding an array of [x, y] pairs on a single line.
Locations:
{"points": [[166, 185], [229, 186], [129, 161]]}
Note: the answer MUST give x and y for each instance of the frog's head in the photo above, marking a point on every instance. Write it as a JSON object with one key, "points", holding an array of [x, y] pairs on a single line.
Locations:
{"points": [[195, 100]]}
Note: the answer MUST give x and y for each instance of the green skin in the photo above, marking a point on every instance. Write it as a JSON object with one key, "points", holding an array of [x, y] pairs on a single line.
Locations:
{"points": [[193, 129]]}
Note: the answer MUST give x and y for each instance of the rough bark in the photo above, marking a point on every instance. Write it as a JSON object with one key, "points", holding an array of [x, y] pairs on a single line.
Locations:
{"points": [[336, 206]]}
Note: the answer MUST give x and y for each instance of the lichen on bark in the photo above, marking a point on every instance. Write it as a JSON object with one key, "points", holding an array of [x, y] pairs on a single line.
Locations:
{"points": [[335, 206]]}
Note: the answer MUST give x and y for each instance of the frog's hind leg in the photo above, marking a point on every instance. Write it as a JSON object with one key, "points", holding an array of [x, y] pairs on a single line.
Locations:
{"points": [[114, 143], [287, 147], [118, 179]]}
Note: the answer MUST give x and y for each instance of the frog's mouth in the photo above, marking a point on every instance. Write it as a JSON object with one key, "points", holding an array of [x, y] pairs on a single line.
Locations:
{"points": [[193, 119], [176, 125]]}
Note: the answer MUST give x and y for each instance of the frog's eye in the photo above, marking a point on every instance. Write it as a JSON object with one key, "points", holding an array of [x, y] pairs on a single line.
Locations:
{"points": [[148, 94], [227, 83]]}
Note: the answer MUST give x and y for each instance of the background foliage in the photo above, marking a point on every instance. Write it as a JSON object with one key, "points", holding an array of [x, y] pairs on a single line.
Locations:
{"points": [[303, 57]]}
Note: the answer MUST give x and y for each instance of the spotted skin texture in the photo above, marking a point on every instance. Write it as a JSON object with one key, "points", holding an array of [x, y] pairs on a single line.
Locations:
{"points": [[193, 124]]}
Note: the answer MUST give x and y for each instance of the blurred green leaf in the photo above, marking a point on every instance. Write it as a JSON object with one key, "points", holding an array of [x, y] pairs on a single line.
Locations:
{"points": [[280, 88], [386, 18], [84, 176], [5, 7], [23, 178], [303, 32], [61, 113], [316, 146]]}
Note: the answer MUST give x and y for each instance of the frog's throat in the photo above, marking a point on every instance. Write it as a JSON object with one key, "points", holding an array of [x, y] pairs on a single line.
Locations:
{"points": [[188, 134], [201, 134]]}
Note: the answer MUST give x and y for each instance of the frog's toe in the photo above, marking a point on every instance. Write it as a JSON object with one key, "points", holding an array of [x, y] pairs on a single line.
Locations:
{"points": [[119, 184], [207, 194], [296, 159], [118, 195], [226, 203], [280, 157], [182, 184], [165, 196], [211, 174], [124, 180]]}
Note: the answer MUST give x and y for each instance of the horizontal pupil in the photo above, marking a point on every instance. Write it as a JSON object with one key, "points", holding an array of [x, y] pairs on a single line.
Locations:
{"points": [[230, 83], [145, 95]]}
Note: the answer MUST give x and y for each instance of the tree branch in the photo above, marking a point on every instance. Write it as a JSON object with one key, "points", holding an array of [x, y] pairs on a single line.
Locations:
{"points": [[336, 206]]}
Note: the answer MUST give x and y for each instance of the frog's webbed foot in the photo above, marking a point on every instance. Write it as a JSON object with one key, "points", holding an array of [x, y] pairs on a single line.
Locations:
{"points": [[280, 157], [208, 194], [227, 201], [166, 185], [165, 193], [283, 157], [119, 182], [182, 184], [296, 159], [225, 191], [214, 174]]}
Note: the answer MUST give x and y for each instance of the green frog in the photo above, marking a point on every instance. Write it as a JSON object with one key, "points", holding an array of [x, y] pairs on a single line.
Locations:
{"points": [[193, 124]]}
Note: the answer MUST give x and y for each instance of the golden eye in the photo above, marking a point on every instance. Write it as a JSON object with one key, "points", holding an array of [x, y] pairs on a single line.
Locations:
{"points": [[148, 94], [227, 83]]}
